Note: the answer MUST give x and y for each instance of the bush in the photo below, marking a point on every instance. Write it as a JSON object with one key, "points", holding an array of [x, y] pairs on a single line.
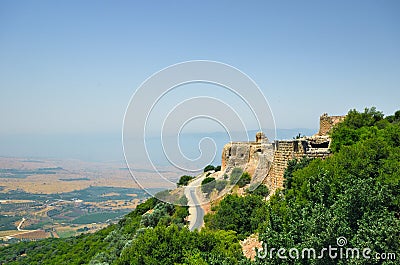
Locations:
{"points": [[235, 175], [184, 180], [207, 185], [217, 168], [261, 190], [209, 168], [159, 213], [355, 127], [244, 180], [220, 185]]}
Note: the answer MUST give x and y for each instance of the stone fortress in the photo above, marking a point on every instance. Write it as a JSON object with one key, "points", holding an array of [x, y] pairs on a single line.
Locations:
{"points": [[266, 161]]}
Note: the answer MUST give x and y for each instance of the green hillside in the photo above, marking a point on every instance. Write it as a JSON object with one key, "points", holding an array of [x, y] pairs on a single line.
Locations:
{"points": [[354, 195]]}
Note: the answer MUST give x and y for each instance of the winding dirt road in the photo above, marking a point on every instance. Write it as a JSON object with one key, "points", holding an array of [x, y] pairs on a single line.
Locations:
{"points": [[20, 224]]}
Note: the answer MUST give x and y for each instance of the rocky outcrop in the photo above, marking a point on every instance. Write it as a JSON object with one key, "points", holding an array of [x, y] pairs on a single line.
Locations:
{"points": [[253, 157]]}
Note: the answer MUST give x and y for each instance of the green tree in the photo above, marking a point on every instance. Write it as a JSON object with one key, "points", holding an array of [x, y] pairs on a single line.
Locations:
{"points": [[209, 168], [354, 193], [354, 125], [240, 214], [292, 166], [184, 180]]}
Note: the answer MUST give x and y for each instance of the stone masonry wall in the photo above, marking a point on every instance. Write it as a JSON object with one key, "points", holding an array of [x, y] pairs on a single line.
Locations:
{"points": [[292, 149], [326, 123]]}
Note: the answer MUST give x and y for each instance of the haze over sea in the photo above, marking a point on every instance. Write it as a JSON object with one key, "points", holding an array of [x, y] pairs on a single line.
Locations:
{"points": [[107, 147]]}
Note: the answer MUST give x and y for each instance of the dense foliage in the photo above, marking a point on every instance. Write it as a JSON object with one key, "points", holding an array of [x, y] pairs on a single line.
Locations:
{"points": [[240, 214], [174, 245], [357, 126], [260, 190], [292, 166]]}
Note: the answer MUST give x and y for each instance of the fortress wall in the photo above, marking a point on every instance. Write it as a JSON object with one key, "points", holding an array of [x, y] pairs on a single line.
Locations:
{"points": [[267, 162], [286, 151]]}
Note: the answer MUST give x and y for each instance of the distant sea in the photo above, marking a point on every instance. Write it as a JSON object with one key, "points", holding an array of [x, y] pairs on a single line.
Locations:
{"points": [[107, 147]]}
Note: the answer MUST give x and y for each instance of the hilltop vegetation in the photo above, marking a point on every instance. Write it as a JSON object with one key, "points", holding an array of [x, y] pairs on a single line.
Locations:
{"points": [[353, 194]]}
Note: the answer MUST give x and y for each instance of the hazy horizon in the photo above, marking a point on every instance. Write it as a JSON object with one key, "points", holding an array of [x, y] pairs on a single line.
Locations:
{"points": [[107, 147]]}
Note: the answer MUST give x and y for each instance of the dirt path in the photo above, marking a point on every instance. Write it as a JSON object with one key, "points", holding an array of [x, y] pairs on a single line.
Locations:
{"points": [[20, 223]]}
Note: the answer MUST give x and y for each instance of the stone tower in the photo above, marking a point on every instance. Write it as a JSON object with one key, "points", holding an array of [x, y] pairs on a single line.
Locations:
{"points": [[326, 123]]}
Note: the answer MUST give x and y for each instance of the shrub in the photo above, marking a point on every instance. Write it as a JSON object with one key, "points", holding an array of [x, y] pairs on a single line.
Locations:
{"points": [[244, 179], [220, 185], [261, 190], [184, 180], [235, 175], [207, 185], [209, 168]]}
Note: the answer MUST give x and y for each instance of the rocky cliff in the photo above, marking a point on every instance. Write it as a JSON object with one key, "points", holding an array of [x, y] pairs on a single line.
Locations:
{"points": [[253, 157]]}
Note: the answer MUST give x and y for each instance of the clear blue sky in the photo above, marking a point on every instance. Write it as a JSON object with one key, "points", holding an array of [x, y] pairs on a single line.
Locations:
{"points": [[71, 66]]}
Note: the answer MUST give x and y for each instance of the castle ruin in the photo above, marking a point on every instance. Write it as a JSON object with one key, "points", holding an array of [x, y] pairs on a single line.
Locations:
{"points": [[266, 161]]}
